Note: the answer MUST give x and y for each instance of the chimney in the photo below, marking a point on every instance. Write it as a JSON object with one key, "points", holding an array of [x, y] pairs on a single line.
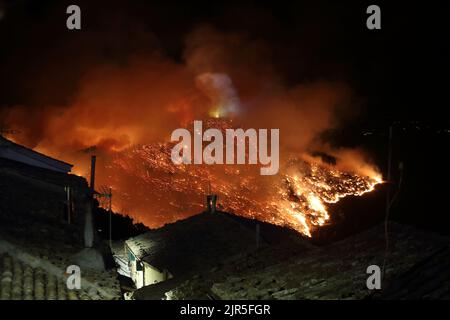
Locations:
{"points": [[211, 200], [92, 185]]}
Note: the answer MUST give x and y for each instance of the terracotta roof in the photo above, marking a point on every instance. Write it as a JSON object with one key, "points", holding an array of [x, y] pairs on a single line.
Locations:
{"points": [[50, 254], [20, 281]]}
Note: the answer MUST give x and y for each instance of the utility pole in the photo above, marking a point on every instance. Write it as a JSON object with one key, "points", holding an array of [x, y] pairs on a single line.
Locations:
{"points": [[68, 191], [388, 199], [257, 235], [106, 194], [110, 217]]}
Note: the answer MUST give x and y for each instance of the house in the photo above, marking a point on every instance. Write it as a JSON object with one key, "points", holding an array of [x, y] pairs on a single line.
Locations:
{"points": [[35, 186], [42, 226], [121, 259], [16, 152], [35, 193], [187, 247]]}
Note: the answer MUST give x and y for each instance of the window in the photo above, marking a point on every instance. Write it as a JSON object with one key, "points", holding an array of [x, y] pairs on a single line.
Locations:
{"points": [[130, 256]]}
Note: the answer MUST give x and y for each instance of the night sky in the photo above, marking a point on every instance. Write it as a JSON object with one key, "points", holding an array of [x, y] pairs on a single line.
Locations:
{"points": [[398, 73]]}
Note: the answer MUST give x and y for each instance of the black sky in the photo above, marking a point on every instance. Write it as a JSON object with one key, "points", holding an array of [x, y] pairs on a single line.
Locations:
{"points": [[399, 71]]}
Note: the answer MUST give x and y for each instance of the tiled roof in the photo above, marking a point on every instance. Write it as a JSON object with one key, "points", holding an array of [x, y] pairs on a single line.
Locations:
{"points": [[20, 281], [336, 271], [281, 249], [429, 279], [50, 255]]}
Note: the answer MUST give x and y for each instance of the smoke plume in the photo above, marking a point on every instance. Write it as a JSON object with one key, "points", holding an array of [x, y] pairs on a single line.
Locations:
{"points": [[119, 109]]}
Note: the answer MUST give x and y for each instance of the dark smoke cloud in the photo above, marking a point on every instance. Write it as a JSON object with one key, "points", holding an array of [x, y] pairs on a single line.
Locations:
{"points": [[149, 95]]}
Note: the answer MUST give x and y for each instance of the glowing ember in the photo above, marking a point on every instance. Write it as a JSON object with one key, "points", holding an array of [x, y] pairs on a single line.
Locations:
{"points": [[297, 198], [305, 193]]}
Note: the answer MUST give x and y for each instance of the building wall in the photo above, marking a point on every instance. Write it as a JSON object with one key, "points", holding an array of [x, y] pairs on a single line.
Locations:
{"points": [[136, 268], [132, 263], [142, 273], [139, 279], [153, 275]]}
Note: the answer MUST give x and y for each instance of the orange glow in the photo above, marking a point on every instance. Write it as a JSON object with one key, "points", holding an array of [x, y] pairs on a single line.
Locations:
{"points": [[125, 113], [296, 198]]}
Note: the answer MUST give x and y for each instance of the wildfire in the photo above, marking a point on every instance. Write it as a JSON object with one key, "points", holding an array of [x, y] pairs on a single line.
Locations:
{"points": [[306, 193], [124, 115], [296, 198]]}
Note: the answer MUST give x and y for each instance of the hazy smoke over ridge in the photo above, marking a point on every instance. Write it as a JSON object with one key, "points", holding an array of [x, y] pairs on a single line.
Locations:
{"points": [[226, 75]]}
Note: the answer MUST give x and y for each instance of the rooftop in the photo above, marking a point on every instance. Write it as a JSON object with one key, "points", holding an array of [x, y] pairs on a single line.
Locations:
{"points": [[17, 152], [194, 243], [46, 250], [336, 271], [428, 279], [21, 281]]}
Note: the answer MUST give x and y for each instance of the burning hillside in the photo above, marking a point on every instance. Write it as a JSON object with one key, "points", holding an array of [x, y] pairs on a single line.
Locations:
{"points": [[145, 180], [296, 198], [126, 113]]}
